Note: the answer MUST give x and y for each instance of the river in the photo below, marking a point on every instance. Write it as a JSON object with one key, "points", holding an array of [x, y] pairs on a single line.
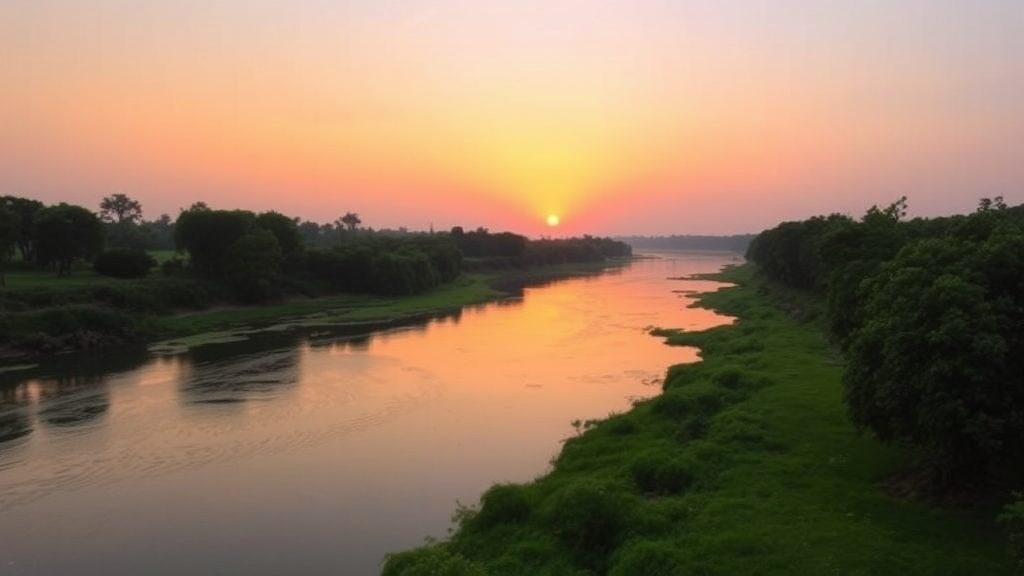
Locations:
{"points": [[318, 451]]}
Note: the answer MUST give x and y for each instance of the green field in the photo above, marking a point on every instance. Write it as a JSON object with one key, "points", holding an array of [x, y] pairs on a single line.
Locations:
{"points": [[745, 465]]}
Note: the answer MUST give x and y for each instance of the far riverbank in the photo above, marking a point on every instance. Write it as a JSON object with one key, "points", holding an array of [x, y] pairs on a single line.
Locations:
{"points": [[107, 314]]}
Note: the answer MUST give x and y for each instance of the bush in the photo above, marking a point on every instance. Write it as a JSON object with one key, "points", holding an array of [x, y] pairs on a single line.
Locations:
{"points": [[435, 560], [503, 504], [590, 519], [662, 473], [1012, 520], [648, 559], [124, 263]]}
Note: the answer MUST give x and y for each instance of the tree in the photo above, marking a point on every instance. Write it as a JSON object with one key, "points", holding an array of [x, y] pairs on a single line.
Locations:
{"points": [[158, 234], [9, 228], [120, 209], [284, 229], [253, 270], [350, 220], [938, 358], [64, 233], [26, 210], [208, 234]]}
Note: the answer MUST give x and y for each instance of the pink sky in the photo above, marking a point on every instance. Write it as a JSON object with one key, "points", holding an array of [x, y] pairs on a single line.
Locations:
{"points": [[639, 116]]}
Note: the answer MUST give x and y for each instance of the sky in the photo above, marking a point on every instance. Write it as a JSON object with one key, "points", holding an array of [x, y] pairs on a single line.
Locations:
{"points": [[618, 116]]}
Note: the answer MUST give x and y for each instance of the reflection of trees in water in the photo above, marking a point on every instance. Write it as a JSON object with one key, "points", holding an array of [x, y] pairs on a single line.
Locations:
{"points": [[14, 417], [357, 337], [236, 372], [73, 400], [70, 390]]}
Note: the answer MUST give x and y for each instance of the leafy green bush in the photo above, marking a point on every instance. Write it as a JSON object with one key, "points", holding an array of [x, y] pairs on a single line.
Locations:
{"points": [[503, 504], [698, 399], [644, 558], [124, 263], [436, 560], [662, 472], [1012, 520], [590, 518]]}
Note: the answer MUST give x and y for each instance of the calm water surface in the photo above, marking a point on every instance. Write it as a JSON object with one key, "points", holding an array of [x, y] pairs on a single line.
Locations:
{"points": [[317, 452]]}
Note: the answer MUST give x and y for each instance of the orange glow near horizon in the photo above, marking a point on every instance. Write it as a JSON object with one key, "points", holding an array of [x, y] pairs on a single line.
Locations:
{"points": [[644, 117]]}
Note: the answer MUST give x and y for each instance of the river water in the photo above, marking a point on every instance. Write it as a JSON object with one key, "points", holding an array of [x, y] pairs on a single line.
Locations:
{"points": [[318, 451]]}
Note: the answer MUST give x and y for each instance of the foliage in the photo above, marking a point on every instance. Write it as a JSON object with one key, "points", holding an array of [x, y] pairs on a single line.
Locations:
{"points": [[777, 484], [927, 313], [387, 266], [119, 208], [1012, 520], [26, 210], [124, 263], [350, 221], [590, 518], [208, 235], [9, 224], [253, 271], [158, 234], [503, 504], [64, 233], [436, 560], [940, 360], [285, 230]]}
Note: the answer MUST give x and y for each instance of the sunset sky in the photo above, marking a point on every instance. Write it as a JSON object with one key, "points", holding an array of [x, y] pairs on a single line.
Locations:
{"points": [[619, 116]]}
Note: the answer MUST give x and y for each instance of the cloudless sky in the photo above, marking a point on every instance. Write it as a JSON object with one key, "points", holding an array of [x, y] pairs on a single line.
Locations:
{"points": [[620, 116]]}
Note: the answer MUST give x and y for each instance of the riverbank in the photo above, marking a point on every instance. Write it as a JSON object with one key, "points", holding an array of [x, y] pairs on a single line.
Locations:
{"points": [[745, 464], [94, 313]]}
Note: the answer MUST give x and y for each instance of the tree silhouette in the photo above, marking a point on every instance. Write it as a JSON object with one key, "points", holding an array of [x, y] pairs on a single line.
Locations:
{"points": [[66, 232], [9, 226], [350, 220], [119, 209]]}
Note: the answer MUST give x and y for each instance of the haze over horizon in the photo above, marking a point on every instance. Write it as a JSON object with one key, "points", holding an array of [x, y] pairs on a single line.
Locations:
{"points": [[620, 117]]}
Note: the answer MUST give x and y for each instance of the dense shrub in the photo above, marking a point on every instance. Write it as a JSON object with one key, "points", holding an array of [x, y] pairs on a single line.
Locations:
{"points": [[589, 518], [643, 558], [436, 560], [124, 263], [662, 472], [503, 504]]}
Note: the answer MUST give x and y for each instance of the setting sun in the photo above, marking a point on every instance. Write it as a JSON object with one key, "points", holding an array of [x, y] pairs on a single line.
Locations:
{"points": [[553, 220]]}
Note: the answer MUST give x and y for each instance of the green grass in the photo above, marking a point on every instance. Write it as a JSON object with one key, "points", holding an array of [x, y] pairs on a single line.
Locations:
{"points": [[162, 256], [21, 279], [745, 465], [332, 310]]}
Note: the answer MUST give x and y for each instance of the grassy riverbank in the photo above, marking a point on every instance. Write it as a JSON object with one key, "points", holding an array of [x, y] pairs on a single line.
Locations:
{"points": [[45, 314], [746, 464]]}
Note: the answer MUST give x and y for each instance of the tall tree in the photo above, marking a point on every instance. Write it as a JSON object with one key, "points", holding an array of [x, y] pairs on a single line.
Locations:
{"points": [[350, 220], [64, 233], [207, 234], [9, 227], [120, 209], [26, 210]]}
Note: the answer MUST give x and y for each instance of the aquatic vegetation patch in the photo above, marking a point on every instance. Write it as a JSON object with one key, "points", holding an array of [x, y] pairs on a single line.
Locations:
{"points": [[182, 345]]}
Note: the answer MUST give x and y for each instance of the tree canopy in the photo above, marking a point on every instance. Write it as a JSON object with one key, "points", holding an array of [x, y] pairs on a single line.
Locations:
{"points": [[119, 209], [928, 313], [64, 233]]}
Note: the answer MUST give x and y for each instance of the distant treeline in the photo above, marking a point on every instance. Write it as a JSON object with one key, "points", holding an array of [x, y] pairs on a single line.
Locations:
{"points": [[929, 314], [733, 243], [255, 257]]}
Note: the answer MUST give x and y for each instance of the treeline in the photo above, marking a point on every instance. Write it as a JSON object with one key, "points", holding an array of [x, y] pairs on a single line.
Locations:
{"points": [[733, 243], [257, 257], [928, 314], [486, 250]]}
